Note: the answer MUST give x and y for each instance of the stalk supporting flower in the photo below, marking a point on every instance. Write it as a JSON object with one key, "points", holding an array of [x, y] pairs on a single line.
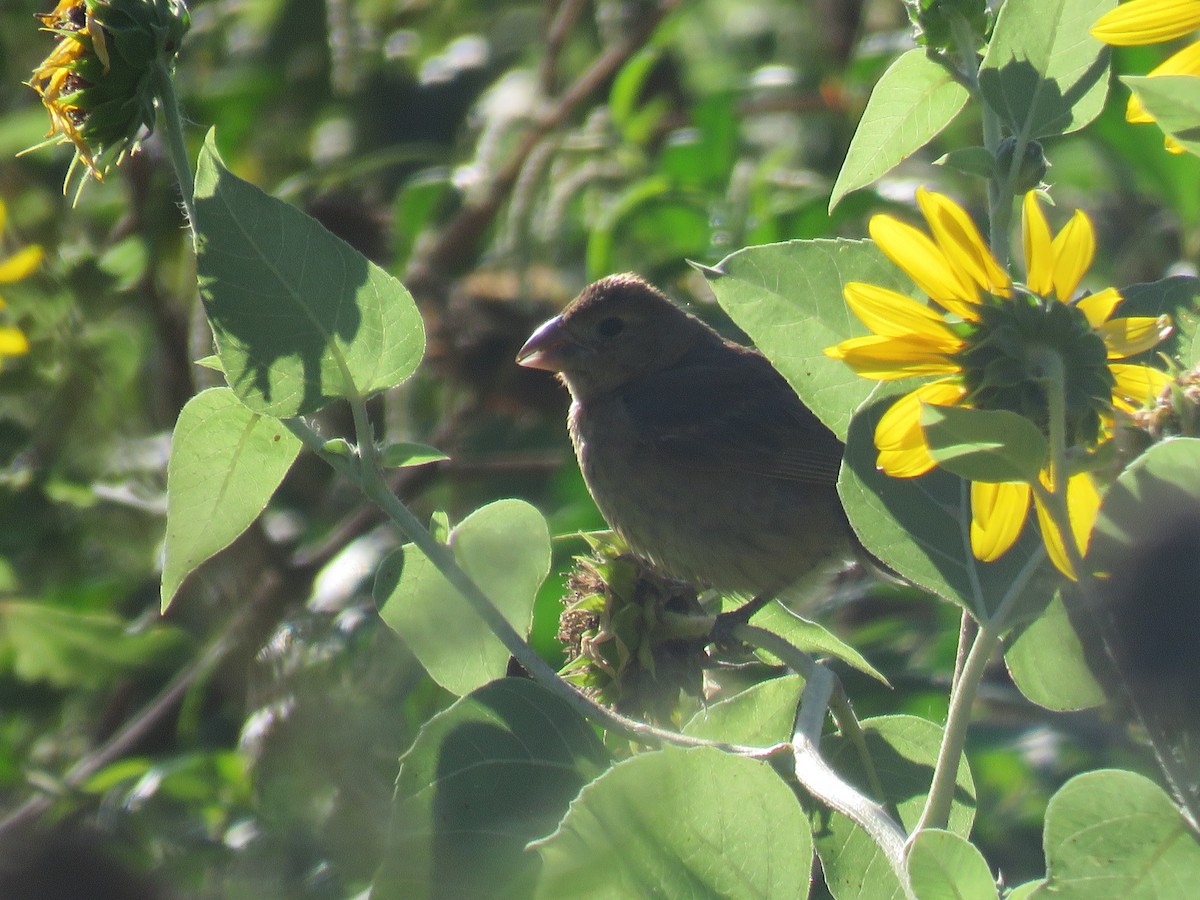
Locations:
{"points": [[1142, 22], [98, 83], [16, 267], [988, 345]]}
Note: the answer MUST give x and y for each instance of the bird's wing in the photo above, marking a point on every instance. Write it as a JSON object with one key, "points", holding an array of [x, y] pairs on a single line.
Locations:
{"points": [[722, 417]]}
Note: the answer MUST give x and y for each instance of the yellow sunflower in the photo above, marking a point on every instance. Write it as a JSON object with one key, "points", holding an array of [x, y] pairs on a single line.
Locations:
{"points": [[1153, 22], [983, 343]]}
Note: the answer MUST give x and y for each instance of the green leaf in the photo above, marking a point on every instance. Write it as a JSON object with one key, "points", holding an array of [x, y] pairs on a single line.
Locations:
{"points": [[761, 715], [921, 528], [505, 548], [410, 454], [1024, 891], [983, 444], [1174, 101], [945, 866], [484, 778], [1118, 831], [788, 298], [813, 638], [1047, 663], [1043, 74], [904, 751], [970, 161], [681, 823], [226, 462], [911, 103], [70, 649], [1177, 297], [300, 317]]}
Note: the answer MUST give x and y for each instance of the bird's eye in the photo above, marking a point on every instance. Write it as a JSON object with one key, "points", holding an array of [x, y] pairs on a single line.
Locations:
{"points": [[610, 327]]}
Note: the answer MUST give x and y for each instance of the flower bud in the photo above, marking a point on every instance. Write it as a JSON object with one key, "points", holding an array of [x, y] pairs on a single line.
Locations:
{"points": [[1030, 170], [100, 82]]}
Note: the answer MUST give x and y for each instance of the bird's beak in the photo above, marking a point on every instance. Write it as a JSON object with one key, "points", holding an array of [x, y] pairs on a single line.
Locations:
{"points": [[547, 348]]}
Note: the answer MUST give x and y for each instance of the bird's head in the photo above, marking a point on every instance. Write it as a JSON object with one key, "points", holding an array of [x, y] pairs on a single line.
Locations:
{"points": [[617, 330]]}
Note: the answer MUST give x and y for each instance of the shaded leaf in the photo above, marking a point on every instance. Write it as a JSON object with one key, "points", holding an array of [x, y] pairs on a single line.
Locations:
{"points": [[484, 778], [300, 317], [1043, 74]]}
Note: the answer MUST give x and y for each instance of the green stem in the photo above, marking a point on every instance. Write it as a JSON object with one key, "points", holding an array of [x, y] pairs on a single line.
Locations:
{"points": [[171, 125], [371, 481], [936, 813]]}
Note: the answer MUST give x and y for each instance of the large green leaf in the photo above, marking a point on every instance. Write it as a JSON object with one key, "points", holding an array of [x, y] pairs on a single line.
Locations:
{"points": [[904, 751], [505, 548], [681, 823], [788, 299], [301, 317], [1043, 74], [484, 778], [1113, 833], [945, 866], [226, 462], [911, 103]]}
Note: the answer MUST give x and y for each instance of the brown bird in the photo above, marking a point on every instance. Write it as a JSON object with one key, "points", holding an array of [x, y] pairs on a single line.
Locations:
{"points": [[697, 452]]}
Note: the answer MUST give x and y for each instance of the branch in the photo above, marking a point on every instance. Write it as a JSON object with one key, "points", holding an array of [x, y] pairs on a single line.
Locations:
{"points": [[463, 232]]}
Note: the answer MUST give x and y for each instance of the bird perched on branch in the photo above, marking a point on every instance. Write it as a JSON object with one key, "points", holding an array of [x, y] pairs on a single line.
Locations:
{"points": [[695, 449]]}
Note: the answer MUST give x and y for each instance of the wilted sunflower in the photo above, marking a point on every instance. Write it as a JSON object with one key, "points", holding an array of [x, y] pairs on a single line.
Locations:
{"points": [[984, 345], [100, 82]]}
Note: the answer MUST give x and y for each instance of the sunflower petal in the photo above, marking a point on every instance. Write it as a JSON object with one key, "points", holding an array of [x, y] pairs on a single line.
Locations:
{"points": [[1039, 251], [1147, 22], [1099, 306], [13, 342], [1083, 503], [1135, 112], [998, 513], [21, 264], [962, 244], [888, 313], [923, 261], [889, 358], [1074, 248], [1136, 386], [1132, 335], [903, 452]]}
